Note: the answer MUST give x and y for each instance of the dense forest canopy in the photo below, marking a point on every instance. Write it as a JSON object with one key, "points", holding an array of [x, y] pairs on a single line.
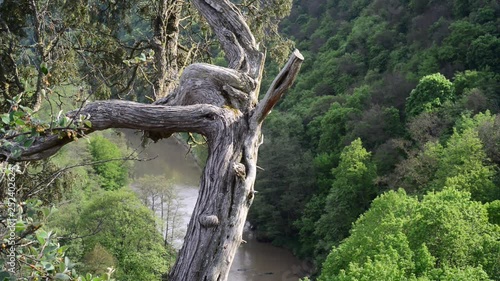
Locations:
{"points": [[393, 95], [381, 164]]}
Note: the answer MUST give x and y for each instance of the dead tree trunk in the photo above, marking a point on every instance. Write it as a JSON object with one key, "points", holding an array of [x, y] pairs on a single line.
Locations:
{"points": [[165, 44], [227, 187], [220, 103]]}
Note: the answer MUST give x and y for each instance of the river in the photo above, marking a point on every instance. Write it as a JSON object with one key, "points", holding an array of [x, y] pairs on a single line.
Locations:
{"points": [[254, 261]]}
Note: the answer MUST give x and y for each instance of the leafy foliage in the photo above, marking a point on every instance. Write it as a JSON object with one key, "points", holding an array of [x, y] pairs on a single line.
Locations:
{"points": [[19, 128], [432, 91], [412, 80], [438, 238], [416, 81], [116, 228], [350, 195], [108, 163], [29, 252]]}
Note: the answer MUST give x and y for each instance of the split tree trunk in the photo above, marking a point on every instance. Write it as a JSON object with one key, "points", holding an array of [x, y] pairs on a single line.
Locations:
{"points": [[220, 103], [227, 188]]}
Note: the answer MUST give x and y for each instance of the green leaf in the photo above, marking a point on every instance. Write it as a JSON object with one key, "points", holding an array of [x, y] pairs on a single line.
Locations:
{"points": [[28, 142], [68, 263], [17, 99], [4, 276], [17, 114], [20, 226], [63, 122], [87, 123], [62, 277], [20, 122], [26, 109], [6, 118], [46, 211], [20, 139], [47, 266], [41, 236], [44, 69], [62, 267]]}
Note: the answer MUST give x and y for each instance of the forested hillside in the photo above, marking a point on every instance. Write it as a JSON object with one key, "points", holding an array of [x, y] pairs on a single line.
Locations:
{"points": [[397, 100], [382, 163]]}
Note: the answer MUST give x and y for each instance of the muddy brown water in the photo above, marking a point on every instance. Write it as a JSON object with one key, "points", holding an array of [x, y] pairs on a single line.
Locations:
{"points": [[254, 261]]}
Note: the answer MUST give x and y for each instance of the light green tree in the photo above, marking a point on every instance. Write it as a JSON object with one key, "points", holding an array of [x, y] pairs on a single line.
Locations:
{"points": [[108, 163], [119, 222], [431, 92], [352, 190], [463, 164], [445, 236]]}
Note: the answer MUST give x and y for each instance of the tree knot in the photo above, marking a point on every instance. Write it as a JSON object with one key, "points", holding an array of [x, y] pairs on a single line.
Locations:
{"points": [[240, 170], [209, 220]]}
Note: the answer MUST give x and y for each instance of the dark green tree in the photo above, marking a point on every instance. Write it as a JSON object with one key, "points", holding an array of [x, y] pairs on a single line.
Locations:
{"points": [[483, 53], [285, 185]]}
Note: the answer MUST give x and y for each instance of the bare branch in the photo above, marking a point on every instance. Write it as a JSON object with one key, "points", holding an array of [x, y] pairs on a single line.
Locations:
{"points": [[50, 179], [234, 35], [280, 85], [124, 114]]}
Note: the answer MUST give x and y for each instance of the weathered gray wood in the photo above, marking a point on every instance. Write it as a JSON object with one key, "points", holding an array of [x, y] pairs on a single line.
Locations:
{"points": [[279, 86], [227, 185], [125, 114], [221, 104]]}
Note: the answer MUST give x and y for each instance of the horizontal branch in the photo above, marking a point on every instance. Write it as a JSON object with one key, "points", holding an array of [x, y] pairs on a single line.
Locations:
{"points": [[131, 115], [278, 88]]}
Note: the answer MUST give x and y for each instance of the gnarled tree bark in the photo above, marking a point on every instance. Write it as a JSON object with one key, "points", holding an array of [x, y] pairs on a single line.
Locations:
{"points": [[220, 103]]}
